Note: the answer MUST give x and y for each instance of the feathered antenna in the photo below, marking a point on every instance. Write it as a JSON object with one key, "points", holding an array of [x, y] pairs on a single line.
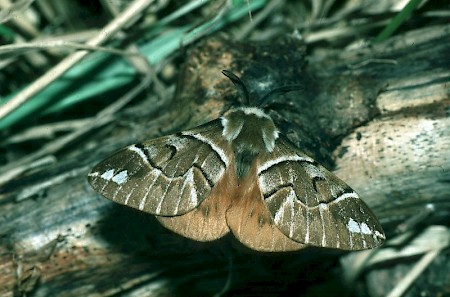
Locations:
{"points": [[244, 94], [240, 86]]}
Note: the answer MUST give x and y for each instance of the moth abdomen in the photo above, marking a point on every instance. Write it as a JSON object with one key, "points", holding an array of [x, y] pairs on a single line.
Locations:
{"points": [[243, 160]]}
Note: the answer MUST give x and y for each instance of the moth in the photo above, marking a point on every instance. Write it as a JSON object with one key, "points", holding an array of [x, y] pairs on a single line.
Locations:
{"points": [[238, 174]]}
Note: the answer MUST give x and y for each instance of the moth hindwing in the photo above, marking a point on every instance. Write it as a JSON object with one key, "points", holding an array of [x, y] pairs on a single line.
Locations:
{"points": [[239, 174]]}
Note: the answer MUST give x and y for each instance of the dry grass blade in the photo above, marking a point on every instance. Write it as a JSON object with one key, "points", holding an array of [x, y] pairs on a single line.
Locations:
{"points": [[46, 131], [430, 242], [260, 17], [135, 8], [414, 273], [9, 12], [18, 49], [105, 116]]}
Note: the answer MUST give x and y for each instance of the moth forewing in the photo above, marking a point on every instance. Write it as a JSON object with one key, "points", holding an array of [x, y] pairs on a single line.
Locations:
{"points": [[311, 205], [166, 176]]}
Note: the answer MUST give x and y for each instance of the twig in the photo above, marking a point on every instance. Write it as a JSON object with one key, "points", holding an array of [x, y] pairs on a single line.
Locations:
{"points": [[414, 273]]}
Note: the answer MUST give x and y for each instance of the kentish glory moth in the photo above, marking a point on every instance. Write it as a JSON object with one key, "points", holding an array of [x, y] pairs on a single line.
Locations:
{"points": [[239, 174]]}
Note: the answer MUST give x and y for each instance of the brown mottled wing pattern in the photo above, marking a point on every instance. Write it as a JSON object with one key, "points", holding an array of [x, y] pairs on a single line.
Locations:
{"points": [[207, 221], [312, 206], [167, 176], [286, 201], [251, 223]]}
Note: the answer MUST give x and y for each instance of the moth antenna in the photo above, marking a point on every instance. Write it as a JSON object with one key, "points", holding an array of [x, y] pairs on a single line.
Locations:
{"points": [[263, 102], [240, 86]]}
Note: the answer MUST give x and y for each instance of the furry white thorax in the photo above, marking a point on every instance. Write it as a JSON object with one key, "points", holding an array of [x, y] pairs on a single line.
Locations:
{"points": [[254, 110], [263, 126]]}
